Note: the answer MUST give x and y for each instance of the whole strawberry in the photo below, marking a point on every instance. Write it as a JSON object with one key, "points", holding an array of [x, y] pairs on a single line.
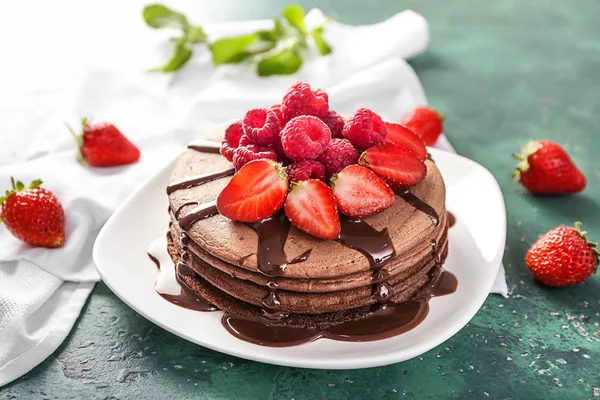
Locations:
{"points": [[563, 257], [425, 122], [545, 168], [101, 144], [33, 214]]}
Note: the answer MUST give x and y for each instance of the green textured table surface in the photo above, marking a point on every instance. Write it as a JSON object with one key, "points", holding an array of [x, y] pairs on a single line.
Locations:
{"points": [[502, 72]]}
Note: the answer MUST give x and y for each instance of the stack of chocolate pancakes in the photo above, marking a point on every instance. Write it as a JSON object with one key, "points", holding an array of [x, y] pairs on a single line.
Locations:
{"points": [[271, 273]]}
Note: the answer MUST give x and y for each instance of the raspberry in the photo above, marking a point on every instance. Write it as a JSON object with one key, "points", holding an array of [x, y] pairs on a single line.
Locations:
{"points": [[306, 169], [301, 100], [364, 129], [335, 122], [233, 133], [245, 141], [261, 126], [243, 155], [338, 154], [305, 137], [276, 108], [278, 147]]}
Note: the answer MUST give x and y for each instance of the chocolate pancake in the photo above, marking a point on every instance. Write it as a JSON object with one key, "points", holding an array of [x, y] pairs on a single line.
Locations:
{"points": [[388, 257]]}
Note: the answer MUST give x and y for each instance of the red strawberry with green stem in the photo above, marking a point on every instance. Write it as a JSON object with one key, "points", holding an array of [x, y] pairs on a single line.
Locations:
{"points": [[311, 207], [255, 192], [563, 257], [546, 168], [101, 144], [397, 166], [33, 214], [425, 122], [359, 192]]}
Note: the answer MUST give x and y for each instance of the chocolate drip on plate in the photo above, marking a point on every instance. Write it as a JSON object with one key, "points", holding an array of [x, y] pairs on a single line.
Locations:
{"points": [[198, 180], [202, 211], [420, 205], [154, 260], [187, 298], [451, 219], [205, 146]]}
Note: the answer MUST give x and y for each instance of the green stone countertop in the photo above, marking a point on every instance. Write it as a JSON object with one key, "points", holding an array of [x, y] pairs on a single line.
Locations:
{"points": [[502, 72]]}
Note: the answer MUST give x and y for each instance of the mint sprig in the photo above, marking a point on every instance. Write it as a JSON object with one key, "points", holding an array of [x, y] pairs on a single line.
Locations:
{"points": [[277, 51], [158, 16]]}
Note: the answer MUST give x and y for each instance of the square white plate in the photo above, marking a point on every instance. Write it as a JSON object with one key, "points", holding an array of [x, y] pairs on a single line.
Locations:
{"points": [[476, 248]]}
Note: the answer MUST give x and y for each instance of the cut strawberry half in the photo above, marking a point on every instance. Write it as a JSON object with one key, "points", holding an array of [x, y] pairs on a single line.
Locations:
{"points": [[359, 192], [396, 165], [406, 138], [255, 192], [311, 207]]}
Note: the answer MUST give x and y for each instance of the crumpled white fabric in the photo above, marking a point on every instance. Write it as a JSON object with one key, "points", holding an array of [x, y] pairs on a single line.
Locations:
{"points": [[42, 291]]}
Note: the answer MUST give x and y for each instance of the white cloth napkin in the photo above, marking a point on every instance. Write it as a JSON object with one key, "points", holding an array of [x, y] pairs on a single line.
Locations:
{"points": [[42, 291]]}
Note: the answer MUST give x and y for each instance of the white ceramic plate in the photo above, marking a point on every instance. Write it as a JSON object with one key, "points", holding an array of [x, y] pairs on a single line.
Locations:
{"points": [[476, 249]]}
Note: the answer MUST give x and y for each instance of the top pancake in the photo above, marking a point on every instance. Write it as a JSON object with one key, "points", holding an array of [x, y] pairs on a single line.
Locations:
{"points": [[235, 243]]}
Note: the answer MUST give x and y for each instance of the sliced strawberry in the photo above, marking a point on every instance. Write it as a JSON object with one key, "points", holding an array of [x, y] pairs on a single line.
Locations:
{"points": [[311, 207], [255, 192], [359, 192], [406, 138], [396, 165]]}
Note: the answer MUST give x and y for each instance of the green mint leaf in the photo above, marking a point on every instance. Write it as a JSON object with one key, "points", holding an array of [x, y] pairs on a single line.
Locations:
{"points": [[158, 16], [231, 50], [322, 45], [181, 56], [285, 62], [278, 32], [195, 34], [295, 16], [278, 28], [267, 36]]}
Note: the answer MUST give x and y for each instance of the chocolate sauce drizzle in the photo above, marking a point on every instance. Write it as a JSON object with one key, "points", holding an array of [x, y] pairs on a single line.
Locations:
{"points": [[272, 234], [197, 180], [271, 259], [375, 245], [420, 205], [198, 213], [205, 146], [189, 203]]}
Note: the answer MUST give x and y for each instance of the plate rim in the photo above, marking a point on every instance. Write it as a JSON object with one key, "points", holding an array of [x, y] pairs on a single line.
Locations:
{"points": [[370, 361]]}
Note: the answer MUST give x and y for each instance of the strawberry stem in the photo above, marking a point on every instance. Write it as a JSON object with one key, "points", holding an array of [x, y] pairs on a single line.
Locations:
{"points": [[523, 157], [12, 182], [592, 245], [78, 139]]}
